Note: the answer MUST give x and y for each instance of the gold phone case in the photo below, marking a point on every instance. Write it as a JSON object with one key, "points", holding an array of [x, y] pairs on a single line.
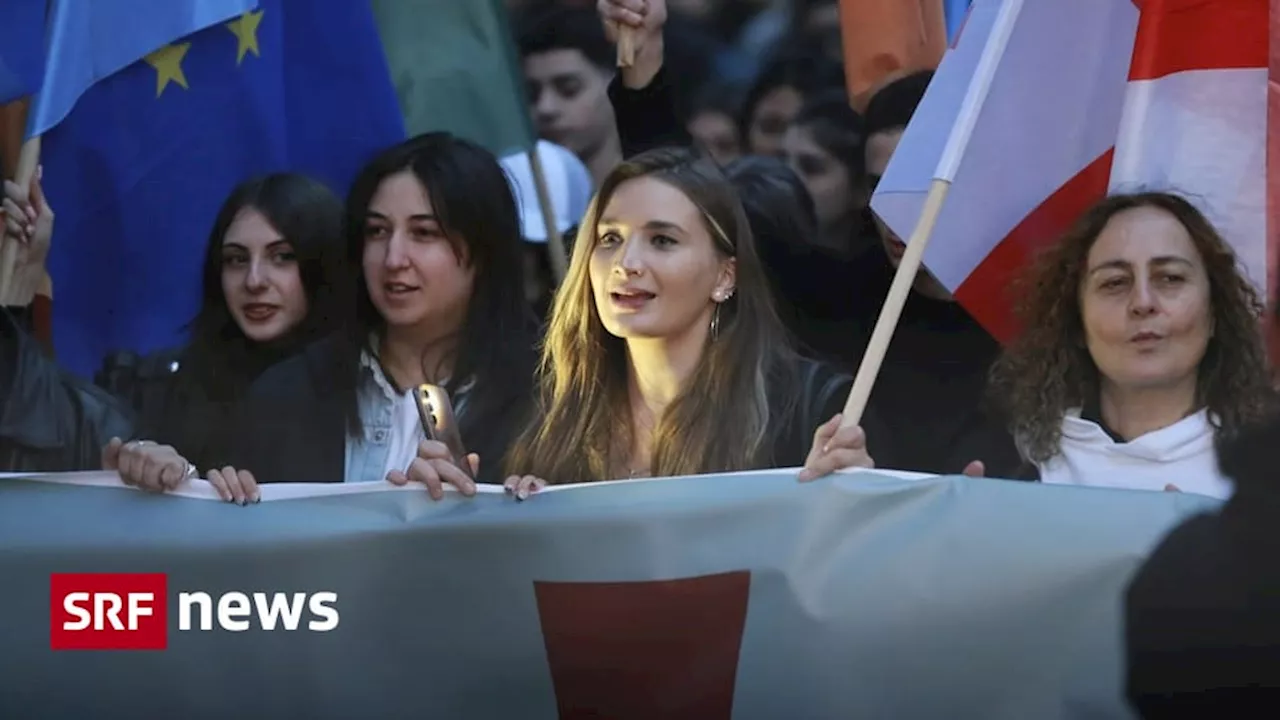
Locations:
{"points": [[438, 422]]}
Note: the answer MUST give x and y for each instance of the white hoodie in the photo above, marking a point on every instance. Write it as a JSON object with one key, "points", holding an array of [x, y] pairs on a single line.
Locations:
{"points": [[1181, 454]]}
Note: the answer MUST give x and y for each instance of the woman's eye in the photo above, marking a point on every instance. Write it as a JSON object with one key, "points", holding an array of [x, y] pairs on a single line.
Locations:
{"points": [[610, 238]]}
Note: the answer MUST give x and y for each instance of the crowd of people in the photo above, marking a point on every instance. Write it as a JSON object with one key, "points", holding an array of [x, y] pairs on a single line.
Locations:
{"points": [[725, 274]]}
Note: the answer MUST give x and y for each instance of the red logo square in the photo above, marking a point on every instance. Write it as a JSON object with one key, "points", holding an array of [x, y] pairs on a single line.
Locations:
{"points": [[108, 611]]}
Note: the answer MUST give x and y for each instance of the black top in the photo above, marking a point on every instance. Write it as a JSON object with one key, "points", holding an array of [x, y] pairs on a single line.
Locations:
{"points": [[1203, 613], [50, 420], [932, 388], [822, 394], [292, 426], [171, 394]]}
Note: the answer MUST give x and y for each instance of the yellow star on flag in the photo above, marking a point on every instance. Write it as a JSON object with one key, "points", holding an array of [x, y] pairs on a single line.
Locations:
{"points": [[246, 32], [168, 64]]}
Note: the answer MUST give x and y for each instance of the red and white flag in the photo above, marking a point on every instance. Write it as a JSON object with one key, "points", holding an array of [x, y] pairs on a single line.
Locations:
{"points": [[1043, 106]]}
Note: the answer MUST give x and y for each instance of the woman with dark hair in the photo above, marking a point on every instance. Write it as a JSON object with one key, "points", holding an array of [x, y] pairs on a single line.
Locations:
{"points": [[812, 287], [1141, 353], [780, 91], [433, 225], [713, 122], [271, 283], [826, 146], [663, 329]]}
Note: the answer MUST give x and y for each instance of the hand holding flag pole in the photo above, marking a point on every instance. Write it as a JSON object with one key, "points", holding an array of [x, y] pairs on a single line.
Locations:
{"points": [[626, 46], [953, 152], [11, 291]]}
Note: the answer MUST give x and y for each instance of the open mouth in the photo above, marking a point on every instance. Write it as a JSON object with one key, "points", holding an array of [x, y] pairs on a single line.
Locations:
{"points": [[399, 288], [631, 298], [259, 311]]}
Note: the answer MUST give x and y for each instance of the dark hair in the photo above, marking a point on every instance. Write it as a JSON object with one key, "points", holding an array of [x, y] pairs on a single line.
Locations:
{"points": [[717, 97], [220, 362], [893, 105], [1048, 370], [568, 28], [475, 207], [837, 128], [806, 71], [308, 215], [782, 219], [583, 421], [779, 210]]}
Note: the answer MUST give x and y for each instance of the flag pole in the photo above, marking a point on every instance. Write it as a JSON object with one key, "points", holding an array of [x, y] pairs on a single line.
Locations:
{"points": [[948, 165], [891, 311], [626, 46], [555, 243], [28, 159]]}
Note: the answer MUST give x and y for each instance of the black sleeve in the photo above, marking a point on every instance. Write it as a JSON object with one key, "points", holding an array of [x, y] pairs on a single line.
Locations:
{"points": [[1203, 616], [1203, 613], [257, 417], [23, 317], [102, 417], [647, 118], [879, 437], [824, 393]]}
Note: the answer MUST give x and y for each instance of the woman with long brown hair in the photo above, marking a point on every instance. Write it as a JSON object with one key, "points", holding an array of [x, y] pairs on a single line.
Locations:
{"points": [[1141, 354], [665, 356]]}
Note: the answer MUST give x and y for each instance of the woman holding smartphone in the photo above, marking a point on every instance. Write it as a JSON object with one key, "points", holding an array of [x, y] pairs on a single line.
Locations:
{"points": [[433, 225]]}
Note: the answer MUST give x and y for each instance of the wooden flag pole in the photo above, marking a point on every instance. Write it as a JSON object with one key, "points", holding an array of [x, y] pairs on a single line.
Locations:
{"points": [[28, 159], [626, 46], [555, 243], [891, 312]]}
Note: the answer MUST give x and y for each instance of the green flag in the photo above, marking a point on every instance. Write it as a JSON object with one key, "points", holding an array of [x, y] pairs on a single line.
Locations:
{"points": [[455, 68]]}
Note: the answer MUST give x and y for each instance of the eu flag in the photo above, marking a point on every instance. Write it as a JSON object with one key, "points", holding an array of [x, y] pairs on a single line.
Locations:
{"points": [[21, 48], [137, 170]]}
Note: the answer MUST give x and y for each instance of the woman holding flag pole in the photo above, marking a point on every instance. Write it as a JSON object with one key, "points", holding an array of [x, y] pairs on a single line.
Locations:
{"points": [[665, 356]]}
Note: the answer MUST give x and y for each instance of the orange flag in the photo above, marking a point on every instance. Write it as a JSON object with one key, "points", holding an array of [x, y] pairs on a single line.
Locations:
{"points": [[886, 39]]}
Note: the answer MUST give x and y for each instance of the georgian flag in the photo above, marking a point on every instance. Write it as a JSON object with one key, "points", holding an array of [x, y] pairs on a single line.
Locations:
{"points": [[1043, 106]]}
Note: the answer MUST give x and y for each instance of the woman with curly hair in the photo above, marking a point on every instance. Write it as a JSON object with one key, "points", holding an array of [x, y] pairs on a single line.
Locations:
{"points": [[1141, 353]]}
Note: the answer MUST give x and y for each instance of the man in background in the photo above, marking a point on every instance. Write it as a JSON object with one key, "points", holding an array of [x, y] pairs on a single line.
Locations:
{"points": [[568, 63]]}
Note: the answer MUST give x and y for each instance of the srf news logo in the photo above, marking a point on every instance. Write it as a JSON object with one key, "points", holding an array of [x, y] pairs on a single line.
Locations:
{"points": [[130, 611]]}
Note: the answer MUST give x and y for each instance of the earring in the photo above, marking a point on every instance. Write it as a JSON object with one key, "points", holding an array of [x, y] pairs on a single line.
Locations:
{"points": [[715, 323]]}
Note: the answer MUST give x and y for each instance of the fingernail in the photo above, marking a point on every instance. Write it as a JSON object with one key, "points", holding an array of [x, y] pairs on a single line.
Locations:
{"points": [[805, 475], [522, 494]]}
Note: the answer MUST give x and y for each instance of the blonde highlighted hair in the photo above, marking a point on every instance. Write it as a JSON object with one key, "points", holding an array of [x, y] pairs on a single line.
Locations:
{"points": [[582, 428]]}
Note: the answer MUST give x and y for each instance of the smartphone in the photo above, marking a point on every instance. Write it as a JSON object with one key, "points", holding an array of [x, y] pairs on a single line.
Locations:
{"points": [[436, 413]]}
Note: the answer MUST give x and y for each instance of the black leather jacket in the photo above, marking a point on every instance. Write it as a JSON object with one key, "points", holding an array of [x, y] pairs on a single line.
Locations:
{"points": [[50, 420]]}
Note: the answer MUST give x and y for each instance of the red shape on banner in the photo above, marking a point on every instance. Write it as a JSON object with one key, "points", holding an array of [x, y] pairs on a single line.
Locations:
{"points": [[661, 649]]}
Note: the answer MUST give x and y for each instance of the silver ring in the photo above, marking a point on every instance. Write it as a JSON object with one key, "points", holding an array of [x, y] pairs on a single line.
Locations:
{"points": [[190, 472]]}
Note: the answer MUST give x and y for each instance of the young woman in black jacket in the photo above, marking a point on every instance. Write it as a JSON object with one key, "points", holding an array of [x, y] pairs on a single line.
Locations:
{"points": [[665, 356], [433, 226], [272, 282]]}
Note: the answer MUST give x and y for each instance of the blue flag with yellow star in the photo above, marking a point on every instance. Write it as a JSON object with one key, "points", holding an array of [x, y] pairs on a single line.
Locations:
{"points": [[89, 40], [137, 170]]}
